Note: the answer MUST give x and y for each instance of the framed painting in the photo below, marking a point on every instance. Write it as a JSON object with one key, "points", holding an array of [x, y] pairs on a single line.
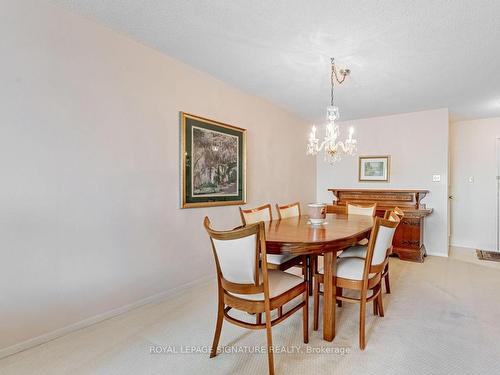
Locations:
{"points": [[213, 163], [374, 168]]}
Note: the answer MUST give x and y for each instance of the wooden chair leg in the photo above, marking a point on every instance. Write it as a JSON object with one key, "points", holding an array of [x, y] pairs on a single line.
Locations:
{"points": [[339, 293], [380, 304], [218, 329], [375, 305], [269, 335], [304, 267], [316, 304], [386, 279], [362, 318], [305, 316]]}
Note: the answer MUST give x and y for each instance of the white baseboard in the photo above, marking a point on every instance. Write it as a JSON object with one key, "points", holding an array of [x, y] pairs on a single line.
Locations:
{"points": [[431, 253], [473, 247], [438, 255], [464, 246], [35, 341]]}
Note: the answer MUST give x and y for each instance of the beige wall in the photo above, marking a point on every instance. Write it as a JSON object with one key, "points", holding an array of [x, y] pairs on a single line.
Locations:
{"points": [[418, 145], [474, 205], [89, 157]]}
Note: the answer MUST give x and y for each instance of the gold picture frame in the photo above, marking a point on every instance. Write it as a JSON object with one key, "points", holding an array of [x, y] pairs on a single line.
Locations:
{"points": [[213, 162], [374, 168]]}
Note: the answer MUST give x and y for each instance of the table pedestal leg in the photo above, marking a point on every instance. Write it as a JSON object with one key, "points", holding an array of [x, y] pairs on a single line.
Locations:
{"points": [[329, 296]]}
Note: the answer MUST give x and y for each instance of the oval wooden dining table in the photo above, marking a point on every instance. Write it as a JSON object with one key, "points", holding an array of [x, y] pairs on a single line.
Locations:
{"points": [[296, 236]]}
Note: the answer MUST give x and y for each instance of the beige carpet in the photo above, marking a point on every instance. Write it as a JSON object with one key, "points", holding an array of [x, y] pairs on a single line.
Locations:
{"points": [[443, 317]]}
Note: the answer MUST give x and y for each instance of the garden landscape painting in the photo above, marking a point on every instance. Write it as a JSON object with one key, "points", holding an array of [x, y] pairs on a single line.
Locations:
{"points": [[213, 162], [374, 168]]}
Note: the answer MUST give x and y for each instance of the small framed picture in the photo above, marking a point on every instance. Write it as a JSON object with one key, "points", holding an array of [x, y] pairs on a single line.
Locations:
{"points": [[213, 163], [374, 168]]}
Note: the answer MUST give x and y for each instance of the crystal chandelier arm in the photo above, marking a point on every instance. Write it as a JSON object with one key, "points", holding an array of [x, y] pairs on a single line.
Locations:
{"points": [[349, 146], [343, 147], [322, 144]]}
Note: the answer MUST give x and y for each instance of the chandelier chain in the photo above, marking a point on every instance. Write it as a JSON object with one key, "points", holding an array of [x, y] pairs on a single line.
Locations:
{"points": [[334, 75], [332, 92]]}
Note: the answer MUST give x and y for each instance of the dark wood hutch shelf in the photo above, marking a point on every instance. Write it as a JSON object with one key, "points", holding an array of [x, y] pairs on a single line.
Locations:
{"points": [[408, 241]]}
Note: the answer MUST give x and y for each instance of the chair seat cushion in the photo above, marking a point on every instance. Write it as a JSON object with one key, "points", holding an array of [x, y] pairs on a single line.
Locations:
{"points": [[350, 268], [354, 251], [279, 283], [278, 258]]}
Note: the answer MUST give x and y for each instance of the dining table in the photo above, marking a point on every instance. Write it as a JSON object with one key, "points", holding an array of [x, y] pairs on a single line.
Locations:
{"points": [[297, 236]]}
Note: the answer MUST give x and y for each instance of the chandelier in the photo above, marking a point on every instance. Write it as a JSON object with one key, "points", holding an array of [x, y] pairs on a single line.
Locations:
{"points": [[332, 146]]}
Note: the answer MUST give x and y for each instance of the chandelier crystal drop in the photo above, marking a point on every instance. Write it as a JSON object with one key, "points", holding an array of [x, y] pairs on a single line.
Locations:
{"points": [[332, 146]]}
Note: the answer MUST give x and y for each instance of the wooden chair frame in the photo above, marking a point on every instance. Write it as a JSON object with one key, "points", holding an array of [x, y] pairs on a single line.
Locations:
{"points": [[398, 211], [385, 275], [361, 205], [298, 261], [373, 206], [227, 301], [307, 263], [284, 207], [253, 210], [362, 286]]}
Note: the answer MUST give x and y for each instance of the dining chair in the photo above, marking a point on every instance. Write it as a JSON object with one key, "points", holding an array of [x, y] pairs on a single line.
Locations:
{"points": [[293, 210], [362, 274], [367, 209], [275, 261], [245, 285], [288, 210], [360, 251], [398, 211], [254, 215], [385, 275]]}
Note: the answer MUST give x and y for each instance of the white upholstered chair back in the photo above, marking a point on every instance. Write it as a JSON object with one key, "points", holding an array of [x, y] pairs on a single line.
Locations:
{"points": [[237, 253], [255, 215], [392, 218], [237, 258], [291, 211], [382, 243], [353, 209]]}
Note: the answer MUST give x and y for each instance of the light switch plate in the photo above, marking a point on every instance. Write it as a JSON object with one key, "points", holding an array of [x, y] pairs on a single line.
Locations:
{"points": [[436, 178]]}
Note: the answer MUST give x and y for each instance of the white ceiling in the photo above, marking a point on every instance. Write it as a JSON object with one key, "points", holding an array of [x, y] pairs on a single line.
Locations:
{"points": [[405, 55]]}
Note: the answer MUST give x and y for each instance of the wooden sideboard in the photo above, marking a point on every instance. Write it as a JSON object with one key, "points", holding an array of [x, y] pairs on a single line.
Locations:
{"points": [[408, 241]]}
